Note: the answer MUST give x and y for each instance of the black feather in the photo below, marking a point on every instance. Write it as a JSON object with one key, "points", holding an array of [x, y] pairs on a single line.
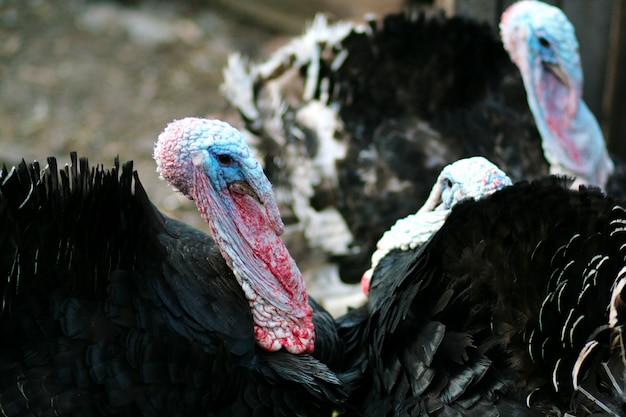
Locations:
{"points": [[413, 92], [111, 308], [518, 295]]}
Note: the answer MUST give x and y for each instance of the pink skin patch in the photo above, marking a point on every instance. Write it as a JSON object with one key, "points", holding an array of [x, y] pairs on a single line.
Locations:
{"points": [[508, 12], [295, 332], [558, 102], [267, 246], [366, 280]]}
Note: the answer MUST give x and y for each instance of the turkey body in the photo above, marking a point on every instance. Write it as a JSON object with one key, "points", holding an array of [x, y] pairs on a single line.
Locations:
{"points": [[514, 307], [355, 122], [111, 308]]}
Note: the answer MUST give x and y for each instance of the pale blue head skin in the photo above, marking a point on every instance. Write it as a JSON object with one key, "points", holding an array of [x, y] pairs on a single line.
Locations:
{"points": [[542, 43], [192, 145], [474, 177]]}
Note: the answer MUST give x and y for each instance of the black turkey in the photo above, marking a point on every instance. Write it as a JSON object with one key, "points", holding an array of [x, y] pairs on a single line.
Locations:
{"points": [[469, 178], [517, 299], [355, 122], [111, 308]]}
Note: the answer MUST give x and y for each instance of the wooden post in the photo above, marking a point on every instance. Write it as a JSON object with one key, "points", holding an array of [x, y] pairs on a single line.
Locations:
{"points": [[614, 99]]}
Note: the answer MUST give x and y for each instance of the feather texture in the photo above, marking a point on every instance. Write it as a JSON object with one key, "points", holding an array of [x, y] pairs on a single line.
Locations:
{"points": [[354, 123], [516, 299], [111, 308]]}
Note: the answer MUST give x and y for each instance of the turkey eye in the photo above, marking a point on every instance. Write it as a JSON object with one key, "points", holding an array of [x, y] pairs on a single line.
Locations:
{"points": [[544, 42], [225, 160], [449, 183]]}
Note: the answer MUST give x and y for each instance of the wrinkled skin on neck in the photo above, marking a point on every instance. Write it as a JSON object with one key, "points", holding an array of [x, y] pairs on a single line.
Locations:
{"points": [[572, 140], [542, 43], [264, 268]]}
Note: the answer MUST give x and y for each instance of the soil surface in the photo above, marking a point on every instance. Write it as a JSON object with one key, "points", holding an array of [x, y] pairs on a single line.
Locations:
{"points": [[103, 79]]}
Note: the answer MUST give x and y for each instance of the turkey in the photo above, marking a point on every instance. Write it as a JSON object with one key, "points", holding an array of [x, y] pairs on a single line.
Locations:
{"points": [[111, 308], [518, 298], [354, 122], [470, 178], [542, 43]]}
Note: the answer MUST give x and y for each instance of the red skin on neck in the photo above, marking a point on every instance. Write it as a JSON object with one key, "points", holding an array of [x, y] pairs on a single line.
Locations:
{"points": [[560, 105], [270, 249], [270, 279], [266, 245]]}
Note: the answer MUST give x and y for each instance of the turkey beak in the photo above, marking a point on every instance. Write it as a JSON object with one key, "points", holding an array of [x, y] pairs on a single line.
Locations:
{"points": [[570, 81], [259, 187], [559, 73], [243, 187], [267, 202], [434, 199]]}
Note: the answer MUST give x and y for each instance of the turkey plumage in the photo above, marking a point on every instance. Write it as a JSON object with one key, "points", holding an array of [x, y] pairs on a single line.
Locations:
{"points": [[516, 299], [111, 308], [354, 122]]}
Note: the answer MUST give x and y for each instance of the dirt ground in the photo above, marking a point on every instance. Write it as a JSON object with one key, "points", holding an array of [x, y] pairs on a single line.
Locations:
{"points": [[104, 79]]}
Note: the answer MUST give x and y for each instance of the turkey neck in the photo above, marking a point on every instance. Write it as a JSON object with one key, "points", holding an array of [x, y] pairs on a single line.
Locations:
{"points": [[268, 275], [572, 140]]}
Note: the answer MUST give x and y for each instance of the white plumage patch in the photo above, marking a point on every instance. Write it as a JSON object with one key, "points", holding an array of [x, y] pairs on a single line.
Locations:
{"points": [[324, 121], [284, 114], [284, 95]]}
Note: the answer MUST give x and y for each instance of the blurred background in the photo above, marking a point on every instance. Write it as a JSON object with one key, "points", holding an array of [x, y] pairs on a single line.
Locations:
{"points": [[104, 77]]}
